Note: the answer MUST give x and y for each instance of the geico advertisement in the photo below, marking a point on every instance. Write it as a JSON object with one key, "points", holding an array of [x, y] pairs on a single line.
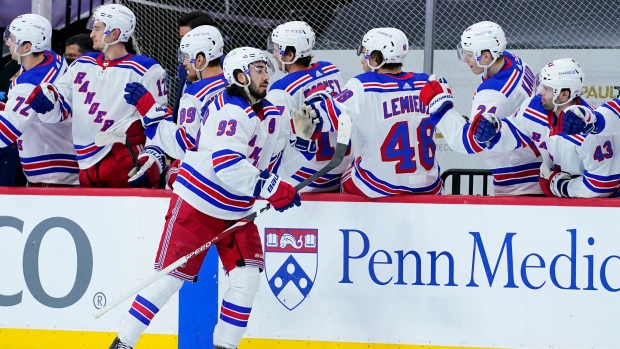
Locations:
{"points": [[472, 275], [64, 257]]}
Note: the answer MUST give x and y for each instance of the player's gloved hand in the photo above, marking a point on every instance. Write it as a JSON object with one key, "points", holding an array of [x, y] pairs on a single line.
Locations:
{"points": [[172, 173], [43, 98], [280, 194], [577, 119], [152, 162], [484, 127], [437, 95], [304, 123], [2, 95], [136, 94], [2, 106], [553, 182]]}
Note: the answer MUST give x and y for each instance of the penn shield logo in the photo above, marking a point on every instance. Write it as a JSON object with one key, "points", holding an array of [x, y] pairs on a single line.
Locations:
{"points": [[291, 261]]}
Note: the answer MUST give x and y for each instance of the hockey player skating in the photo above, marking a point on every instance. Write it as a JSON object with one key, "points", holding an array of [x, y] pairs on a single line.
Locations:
{"points": [[506, 82], [91, 93], [291, 44], [393, 138], [216, 186], [46, 151], [574, 165], [200, 52]]}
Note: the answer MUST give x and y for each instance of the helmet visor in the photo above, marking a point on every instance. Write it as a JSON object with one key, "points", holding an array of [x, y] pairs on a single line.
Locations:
{"points": [[360, 49], [7, 36], [463, 54], [263, 66], [181, 56]]}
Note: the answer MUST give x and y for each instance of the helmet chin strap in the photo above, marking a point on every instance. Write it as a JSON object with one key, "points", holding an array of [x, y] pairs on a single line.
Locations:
{"points": [[373, 68], [199, 71], [557, 105], [19, 56], [105, 44], [284, 64], [486, 67]]}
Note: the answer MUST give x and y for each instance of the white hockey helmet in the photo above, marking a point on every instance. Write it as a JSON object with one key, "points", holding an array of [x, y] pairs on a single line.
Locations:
{"points": [[297, 34], [564, 73], [32, 28], [240, 59], [204, 39], [482, 36], [391, 42], [114, 16]]}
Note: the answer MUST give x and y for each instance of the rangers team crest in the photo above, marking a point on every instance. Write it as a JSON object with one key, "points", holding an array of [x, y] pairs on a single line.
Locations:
{"points": [[291, 263]]}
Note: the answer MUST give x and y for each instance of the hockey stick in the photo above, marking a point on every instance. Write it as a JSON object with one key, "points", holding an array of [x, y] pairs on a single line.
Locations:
{"points": [[110, 137], [344, 134]]}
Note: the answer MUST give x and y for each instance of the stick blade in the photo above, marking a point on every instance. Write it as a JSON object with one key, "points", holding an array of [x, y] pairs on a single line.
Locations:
{"points": [[109, 137], [344, 129]]}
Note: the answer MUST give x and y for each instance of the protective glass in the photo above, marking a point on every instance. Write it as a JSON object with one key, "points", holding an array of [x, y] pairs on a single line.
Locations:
{"points": [[360, 49], [270, 45], [7, 36], [91, 23], [262, 67], [182, 56], [461, 53]]}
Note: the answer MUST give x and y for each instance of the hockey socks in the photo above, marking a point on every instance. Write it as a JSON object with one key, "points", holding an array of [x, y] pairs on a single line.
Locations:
{"points": [[236, 306], [145, 306]]}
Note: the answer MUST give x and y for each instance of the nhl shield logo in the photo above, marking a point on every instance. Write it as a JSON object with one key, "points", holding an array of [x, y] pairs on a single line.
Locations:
{"points": [[291, 260]]}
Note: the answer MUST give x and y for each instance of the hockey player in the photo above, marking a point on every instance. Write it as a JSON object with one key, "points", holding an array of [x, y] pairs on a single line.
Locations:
{"points": [[393, 138], [186, 23], [506, 82], [200, 53], [574, 166], [291, 44], [216, 186], [46, 151], [91, 92]]}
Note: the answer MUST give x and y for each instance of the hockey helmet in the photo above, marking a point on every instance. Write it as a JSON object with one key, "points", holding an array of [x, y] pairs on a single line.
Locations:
{"points": [[297, 34], [564, 73], [482, 36], [241, 59], [391, 42], [32, 28]]}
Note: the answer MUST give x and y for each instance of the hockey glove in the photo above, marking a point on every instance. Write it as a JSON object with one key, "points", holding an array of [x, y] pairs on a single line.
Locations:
{"points": [[136, 94], [43, 98], [277, 192], [304, 127], [484, 127], [172, 173], [578, 119], [152, 162], [2, 106], [553, 182], [438, 96]]}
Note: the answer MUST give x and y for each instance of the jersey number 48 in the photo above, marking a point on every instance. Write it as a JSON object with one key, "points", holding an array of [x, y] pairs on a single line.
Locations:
{"points": [[398, 146]]}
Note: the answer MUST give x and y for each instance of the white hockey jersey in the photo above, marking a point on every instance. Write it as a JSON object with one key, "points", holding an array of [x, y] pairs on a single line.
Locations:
{"points": [[514, 173], [610, 112], [235, 144], [289, 93], [393, 139], [46, 151], [590, 159], [92, 90], [176, 139]]}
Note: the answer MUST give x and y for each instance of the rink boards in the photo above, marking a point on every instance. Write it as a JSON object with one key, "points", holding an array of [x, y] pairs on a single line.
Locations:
{"points": [[341, 272]]}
